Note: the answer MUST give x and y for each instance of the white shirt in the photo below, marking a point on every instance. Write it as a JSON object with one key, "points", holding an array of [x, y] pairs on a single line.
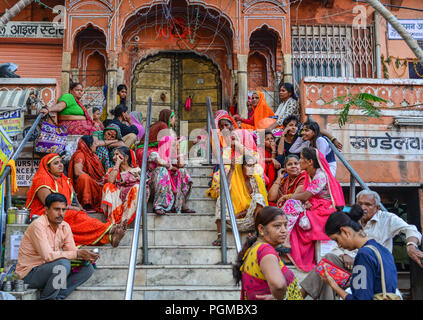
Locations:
{"points": [[383, 227]]}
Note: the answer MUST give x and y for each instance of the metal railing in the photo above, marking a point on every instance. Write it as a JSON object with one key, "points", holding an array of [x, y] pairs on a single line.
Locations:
{"points": [[225, 195], [353, 174], [15, 156], [141, 211]]}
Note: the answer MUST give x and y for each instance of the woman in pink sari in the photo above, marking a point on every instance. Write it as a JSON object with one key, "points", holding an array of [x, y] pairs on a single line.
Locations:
{"points": [[321, 194]]}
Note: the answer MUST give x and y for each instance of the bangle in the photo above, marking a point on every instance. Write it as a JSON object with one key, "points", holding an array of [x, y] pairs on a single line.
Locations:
{"points": [[333, 139], [412, 243]]}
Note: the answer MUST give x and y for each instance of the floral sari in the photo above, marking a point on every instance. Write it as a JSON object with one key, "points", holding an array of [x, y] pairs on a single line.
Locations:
{"points": [[86, 230], [327, 195], [120, 199], [171, 188], [88, 185], [253, 280]]}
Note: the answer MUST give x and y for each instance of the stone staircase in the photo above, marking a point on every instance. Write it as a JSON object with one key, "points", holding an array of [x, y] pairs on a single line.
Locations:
{"points": [[183, 263]]}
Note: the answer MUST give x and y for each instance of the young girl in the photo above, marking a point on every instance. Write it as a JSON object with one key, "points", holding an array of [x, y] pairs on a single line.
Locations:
{"points": [[366, 280], [271, 164], [311, 138]]}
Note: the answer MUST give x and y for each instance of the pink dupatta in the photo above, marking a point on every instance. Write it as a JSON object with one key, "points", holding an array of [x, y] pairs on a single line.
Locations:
{"points": [[303, 242]]}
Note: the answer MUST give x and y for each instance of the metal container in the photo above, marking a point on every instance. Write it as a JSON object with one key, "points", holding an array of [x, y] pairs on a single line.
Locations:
{"points": [[11, 215], [22, 216], [7, 286], [19, 286]]}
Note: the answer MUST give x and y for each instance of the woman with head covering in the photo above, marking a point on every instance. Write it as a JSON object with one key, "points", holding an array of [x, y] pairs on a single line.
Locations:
{"points": [[260, 112], [322, 194], [170, 183], [106, 141], [48, 179], [120, 191], [86, 172], [129, 133], [136, 117]]}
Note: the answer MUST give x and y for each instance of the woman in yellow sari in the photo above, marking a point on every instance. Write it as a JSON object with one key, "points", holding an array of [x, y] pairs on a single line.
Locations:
{"points": [[248, 194]]}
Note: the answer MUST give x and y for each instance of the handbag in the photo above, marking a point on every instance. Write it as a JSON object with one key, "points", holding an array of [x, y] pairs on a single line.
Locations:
{"points": [[337, 273], [52, 138], [384, 295], [304, 222]]}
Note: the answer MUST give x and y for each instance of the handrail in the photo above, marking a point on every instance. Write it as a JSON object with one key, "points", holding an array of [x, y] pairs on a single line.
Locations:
{"points": [[141, 210], [353, 173], [224, 190], [18, 151]]}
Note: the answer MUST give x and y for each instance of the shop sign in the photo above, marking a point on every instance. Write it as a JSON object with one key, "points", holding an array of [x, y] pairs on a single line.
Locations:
{"points": [[414, 28]]}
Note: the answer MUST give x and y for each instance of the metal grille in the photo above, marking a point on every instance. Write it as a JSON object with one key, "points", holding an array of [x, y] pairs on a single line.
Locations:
{"points": [[332, 51]]}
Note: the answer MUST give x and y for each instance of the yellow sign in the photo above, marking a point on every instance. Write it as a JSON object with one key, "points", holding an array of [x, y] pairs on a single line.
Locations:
{"points": [[6, 149], [11, 121]]}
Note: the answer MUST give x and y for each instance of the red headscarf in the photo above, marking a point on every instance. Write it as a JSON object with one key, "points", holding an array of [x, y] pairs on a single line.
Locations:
{"points": [[44, 179]]}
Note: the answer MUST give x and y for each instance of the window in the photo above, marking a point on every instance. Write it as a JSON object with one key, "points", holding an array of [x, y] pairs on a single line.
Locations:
{"points": [[332, 51]]}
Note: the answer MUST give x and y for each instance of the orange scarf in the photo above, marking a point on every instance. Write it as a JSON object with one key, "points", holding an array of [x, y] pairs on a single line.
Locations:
{"points": [[261, 111]]}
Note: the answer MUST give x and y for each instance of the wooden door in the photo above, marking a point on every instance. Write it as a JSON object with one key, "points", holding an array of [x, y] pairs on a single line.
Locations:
{"points": [[175, 77]]}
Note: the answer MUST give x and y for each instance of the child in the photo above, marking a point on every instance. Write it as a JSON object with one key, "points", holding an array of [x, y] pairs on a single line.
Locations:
{"points": [[272, 165]]}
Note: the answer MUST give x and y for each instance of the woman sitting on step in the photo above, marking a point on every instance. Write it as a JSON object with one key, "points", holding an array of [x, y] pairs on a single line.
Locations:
{"points": [[258, 267], [87, 174], [248, 195], [48, 179], [170, 182], [106, 141], [120, 191]]}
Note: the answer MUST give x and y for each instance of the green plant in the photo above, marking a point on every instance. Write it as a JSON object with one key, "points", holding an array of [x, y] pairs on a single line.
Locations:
{"points": [[364, 102]]}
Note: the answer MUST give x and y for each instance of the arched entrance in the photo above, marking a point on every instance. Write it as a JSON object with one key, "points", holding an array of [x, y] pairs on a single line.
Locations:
{"points": [[170, 78]]}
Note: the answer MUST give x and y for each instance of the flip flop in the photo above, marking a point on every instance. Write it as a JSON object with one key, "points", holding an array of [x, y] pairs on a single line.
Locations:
{"points": [[160, 212], [187, 210]]}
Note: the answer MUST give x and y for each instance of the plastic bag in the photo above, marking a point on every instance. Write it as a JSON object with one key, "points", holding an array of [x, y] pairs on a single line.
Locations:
{"points": [[304, 222]]}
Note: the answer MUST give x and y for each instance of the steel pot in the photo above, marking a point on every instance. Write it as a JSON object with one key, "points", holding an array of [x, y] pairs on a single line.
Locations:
{"points": [[22, 216]]}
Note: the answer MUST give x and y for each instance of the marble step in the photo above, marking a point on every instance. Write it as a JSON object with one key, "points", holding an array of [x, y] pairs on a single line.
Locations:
{"points": [[171, 237], [163, 275], [158, 293], [200, 170], [201, 180], [171, 255], [172, 220]]}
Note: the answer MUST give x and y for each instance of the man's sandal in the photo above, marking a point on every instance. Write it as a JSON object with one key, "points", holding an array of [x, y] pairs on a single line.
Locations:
{"points": [[218, 241]]}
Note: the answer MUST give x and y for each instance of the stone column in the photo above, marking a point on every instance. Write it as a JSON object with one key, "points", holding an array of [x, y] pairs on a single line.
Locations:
{"points": [[112, 84], [66, 68], [287, 68], [242, 84], [75, 74]]}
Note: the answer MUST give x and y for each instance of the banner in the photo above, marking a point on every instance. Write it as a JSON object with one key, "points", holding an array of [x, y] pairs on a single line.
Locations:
{"points": [[11, 121], [6, 149], [414, 28], [25, 170]]}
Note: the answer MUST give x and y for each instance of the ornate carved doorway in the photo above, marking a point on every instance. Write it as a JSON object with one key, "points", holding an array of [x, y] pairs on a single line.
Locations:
{"points": [[170, 78]]}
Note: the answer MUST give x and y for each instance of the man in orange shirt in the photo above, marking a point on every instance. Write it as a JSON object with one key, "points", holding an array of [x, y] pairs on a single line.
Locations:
{"points": [[46, 250]]}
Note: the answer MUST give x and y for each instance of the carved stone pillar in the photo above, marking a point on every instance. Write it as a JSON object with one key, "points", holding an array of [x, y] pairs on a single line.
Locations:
{"points": [[66, 69], [242, 85], [287, 68], [112, 84]]}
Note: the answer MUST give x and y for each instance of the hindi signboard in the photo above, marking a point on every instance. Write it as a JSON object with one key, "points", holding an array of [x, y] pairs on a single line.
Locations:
{"points": [[379, 143], [30, 29], [414, 27]]}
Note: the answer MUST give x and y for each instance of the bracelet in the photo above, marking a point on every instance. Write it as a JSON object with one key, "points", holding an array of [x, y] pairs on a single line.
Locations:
{"points": [[333, 139], [412, 243]]}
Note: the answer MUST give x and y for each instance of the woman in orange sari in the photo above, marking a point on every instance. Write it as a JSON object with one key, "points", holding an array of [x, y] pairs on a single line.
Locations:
{"points": [[261, 111], [87, 173], [48, 179]]}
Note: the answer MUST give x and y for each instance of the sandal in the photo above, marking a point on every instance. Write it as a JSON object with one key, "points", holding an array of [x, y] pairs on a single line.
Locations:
{"points": [[218, 241]]}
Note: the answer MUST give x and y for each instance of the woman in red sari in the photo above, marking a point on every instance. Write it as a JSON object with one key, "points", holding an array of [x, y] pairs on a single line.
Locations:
{"points": [[321, 196], [87, 173], [48, 179]]}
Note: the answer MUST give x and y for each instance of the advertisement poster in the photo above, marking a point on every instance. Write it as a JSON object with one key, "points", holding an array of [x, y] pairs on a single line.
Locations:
{"points": [[25, 170], [6, 149], [11, 121]]}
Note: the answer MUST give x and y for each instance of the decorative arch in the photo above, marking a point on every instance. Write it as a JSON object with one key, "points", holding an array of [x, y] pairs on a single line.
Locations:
{"points": [[265, 26], [81, 28], [280, 4], [104, 4]]}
